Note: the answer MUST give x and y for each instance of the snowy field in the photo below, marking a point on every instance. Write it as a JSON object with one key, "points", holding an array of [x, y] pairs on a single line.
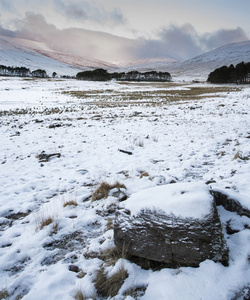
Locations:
{"points": [[54, 239]]}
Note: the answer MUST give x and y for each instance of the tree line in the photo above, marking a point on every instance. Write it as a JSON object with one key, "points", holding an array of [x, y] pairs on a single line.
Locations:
{"points": [[22, 72], [233, 74], [103, 75]]}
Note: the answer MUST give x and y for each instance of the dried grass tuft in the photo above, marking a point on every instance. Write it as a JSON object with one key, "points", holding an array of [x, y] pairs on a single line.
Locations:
{"points": [[81, 274], [144, 174], [239, 155], [54, 229], [110, 286], [104, 188], [111, 255], [136, 292], [4, 294], [78, 295], [110, 224], [70, 202], [46, 222]]}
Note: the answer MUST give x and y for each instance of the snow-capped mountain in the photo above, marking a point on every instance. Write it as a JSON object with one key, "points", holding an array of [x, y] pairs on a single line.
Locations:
{"points": [[200, 66], [34, 55]]}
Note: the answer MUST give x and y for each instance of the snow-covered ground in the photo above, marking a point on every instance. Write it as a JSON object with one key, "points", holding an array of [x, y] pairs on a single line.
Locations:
{"points": [[204, 139]]}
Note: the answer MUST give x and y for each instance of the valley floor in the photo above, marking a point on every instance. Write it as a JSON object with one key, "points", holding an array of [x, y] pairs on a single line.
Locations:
{"points": [[49, 225]]}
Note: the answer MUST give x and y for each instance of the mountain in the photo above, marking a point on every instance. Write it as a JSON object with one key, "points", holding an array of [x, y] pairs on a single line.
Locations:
{"points": [[34, 55], [200, 66]]}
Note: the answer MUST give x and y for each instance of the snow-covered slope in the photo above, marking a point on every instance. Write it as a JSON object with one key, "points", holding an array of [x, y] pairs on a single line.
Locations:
{"points": [[34, 55], [148, 64], [77, 61], [200, 66]]}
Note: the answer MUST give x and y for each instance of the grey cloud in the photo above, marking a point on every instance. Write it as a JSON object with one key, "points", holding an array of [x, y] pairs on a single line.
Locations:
{"points": [[73, 10], [174, 42], [35, 27], [223, 37], [86, 10], [117, 16], [6, 32], [183, 42], [7, 5], [178, 42], [74, 41]]}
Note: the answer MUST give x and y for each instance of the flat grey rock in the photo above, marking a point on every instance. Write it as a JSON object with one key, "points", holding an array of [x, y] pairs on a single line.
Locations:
{"points": [[175, 224]]}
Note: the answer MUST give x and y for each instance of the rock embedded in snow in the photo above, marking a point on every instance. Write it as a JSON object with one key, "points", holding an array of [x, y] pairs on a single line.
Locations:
{"points": [[175, 224], [232, 202], [74, 268]]}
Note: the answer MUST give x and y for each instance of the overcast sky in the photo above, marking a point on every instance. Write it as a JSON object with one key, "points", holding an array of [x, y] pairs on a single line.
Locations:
{"points": [[133, 29]]}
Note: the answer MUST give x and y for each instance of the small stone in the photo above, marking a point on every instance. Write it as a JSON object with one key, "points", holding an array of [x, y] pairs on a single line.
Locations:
{"points": [[233, 226], [74, 268], [82, 171]]}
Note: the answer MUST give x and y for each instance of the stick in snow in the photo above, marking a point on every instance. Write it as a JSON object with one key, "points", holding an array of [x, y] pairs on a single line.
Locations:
{"points": [[127, 152]]}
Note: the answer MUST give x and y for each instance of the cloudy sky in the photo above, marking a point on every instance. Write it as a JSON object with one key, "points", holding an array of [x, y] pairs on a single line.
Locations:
{"points": [[116, 30]]}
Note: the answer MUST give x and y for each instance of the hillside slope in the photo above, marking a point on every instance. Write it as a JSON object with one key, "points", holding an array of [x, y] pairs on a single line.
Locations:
{"points": [[200, 66], [33, 55]]}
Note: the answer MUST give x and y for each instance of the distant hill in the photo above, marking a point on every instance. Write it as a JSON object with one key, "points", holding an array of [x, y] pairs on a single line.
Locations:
{"points": [[34, 55], [200, 66]]}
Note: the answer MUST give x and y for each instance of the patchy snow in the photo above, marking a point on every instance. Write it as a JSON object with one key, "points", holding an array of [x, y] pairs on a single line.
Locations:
{"points": [[191, 141], [185, 200]]}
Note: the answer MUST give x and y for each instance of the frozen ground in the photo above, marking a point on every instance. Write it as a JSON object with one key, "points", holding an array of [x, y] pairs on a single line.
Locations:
{"points": [[48, 222]]}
